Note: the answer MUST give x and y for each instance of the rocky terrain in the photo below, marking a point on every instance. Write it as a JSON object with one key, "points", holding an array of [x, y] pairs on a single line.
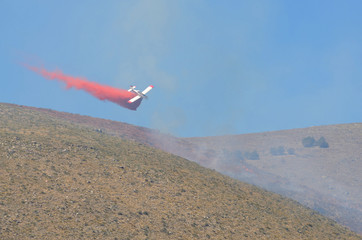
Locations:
{"points": [[326, 179], [62, 178]]}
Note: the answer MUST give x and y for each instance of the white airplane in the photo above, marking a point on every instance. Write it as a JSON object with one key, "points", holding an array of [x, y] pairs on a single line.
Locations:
{"points": [[139, 93]]}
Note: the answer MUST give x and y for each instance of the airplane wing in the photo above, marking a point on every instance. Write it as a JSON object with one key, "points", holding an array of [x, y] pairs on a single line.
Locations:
{"points": [[134, 99], [149, 88]]}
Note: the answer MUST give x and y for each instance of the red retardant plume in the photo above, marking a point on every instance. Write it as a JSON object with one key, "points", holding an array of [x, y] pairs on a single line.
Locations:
{"points": [[102, 92]]}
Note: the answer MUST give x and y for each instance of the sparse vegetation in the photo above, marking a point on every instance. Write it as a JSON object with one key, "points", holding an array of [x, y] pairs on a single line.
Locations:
{"points": [[311, 142], [314, 176], [61, 180], [322, 143], [291, 151], [308, 142], [252, 155], [233, 156], [279, 151]]}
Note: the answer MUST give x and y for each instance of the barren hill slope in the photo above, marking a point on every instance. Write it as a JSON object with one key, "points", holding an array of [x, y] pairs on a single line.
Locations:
{"points": [[61, 180], [327, 178]]}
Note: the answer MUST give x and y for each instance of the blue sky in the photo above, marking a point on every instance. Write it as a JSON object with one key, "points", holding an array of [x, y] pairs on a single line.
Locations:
{"points": [[218, 67]]}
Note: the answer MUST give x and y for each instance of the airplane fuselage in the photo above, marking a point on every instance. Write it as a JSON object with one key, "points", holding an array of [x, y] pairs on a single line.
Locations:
{"points": [[138, 93]]}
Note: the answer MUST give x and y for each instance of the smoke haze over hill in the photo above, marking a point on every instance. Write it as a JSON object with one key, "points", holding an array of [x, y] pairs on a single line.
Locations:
{"points": [[63, 178], [320, 178]]}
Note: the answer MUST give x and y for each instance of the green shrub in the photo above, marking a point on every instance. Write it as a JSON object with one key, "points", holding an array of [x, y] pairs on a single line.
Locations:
{"points": [[291, 151], [277, 151], [235, 156], [322, 143], [309, 142], [252, 155]]}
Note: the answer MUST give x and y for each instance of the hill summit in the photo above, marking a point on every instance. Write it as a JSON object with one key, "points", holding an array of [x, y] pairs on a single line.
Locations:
{"points": [[63, 180]]}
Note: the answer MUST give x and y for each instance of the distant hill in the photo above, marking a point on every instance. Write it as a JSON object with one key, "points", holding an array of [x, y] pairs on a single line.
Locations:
{"points": [[326, 176], [66, 176]]}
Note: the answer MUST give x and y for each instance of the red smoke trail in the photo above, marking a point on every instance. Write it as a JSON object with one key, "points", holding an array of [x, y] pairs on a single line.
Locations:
{"points": [[102, 92]]}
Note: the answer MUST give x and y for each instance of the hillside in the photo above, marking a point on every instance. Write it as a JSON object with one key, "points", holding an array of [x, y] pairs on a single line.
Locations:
{"points": [[64, 180], [327, 179]]}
